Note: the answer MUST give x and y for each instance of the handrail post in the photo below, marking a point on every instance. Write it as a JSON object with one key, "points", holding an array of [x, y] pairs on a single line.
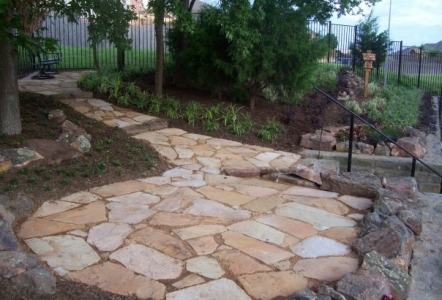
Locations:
{"points": [[350, 142], [413, 167]]}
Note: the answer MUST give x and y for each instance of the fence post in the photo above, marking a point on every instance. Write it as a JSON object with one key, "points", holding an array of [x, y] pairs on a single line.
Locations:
{"points": [[329, 41], [350, 142], [420, 67], [400, 64], [353, 63]]}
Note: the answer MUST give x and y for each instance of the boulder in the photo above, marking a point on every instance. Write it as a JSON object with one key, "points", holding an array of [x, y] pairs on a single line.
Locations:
{"points": [[406, 186], [19, 205], [344, 147], [18, 157], [151, 125], [331, 292], [243, 173], [8, 241], [57, 116], [81, 144], [411, 144], [52, 151], [412, 218], [317, 141], [390, 202], [38, 280], [382, 149], [364, 285], [5, 163], [365, 148], [13, 263], [311, 169], [359, 184], [399, 280], [370, 222]]}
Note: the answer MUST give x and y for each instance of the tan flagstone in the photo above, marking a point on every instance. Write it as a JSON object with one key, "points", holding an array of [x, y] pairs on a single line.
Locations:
{"points": [[263, 233], [265, 204], [156, 180], [284, 162], [131, 114], [128, 213], [171, 131], [212, 290], [346, 235], [209, 162], [197, 137], [178, 220], [81, 197], [319, 218], [198, 231], [203, 245], [153, 138], [308, 192], [184, 162], [181, 141], [144, 118], [222, 142], [258, 163], [264, 183], [239, 263], [184, 152], [78, 232], [243, 151], [148, 262], [330, 205], [264, 252], [192, 166], [168, 152], [64, 251], [296, 228], [82, 109], [326, 269], [227, 197], [130, 121], [202, 207], [356, 217], [237, 164], [162, 242], [117, 279], [203, 150], [90, 213], [267, 286], [97, 102], [205, 266], [120, 188], [358, 203], [164, 190], [138, 198], [189, 183], [116, 123], [217, 180], [38, 227], [317, 246], [256, 191], [178, 172], [180, 199], [228, 156], [108, 236], [53, 207], [267, 156], [189, 280]]}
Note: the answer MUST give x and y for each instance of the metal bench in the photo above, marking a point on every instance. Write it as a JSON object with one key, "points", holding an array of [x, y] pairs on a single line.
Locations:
{"points": [[44, 61]]}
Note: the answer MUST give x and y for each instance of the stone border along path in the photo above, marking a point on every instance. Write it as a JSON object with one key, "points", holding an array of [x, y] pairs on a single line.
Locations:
{"points": [[192, 233]]}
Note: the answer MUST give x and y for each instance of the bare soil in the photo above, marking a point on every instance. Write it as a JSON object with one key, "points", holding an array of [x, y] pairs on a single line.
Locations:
{"points": [[124, 158]]}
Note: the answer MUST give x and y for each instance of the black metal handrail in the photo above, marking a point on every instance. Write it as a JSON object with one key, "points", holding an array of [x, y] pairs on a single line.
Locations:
{"points": [[350, 148]]}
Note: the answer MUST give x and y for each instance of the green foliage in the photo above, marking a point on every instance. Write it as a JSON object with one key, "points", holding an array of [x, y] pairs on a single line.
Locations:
{"points": [[230, 115], [192, 112], [271, 130], [155, 105], [332, 41], [368, 38], [210, 125], [171, 107], [354, 106]]}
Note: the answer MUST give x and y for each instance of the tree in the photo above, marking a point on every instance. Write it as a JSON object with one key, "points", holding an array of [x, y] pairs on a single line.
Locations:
{"points": [[107, 20], [368, 38], [249, 46]]}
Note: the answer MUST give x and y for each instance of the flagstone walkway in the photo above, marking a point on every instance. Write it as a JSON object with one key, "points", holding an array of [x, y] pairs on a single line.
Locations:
{"points": [[193, 233]]}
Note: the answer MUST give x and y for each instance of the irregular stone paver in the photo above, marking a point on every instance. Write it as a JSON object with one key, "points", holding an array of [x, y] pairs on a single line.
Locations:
{"points": [[308, 192], [330, 205], [178, 220], [163, 242], [161, 180], [183, 197], [357, 202], [204, 266], [327, 269], [227, 197], [345, 235], [239, 263], [199, 230], [128, 213], [137, 198], [269, 285], [90, 213], [108, 236], [257, 191], [316, 246], [119, 280], [64, 251], [318, 218], [165, 190], [209, 208], [296, 228], [203, 245], [177, 172], [264, 233], [148, 262], [264, 204], [38, 227], [213, 290], [81, 197], [120, 188], [264, 252], [190, 280], [53, 207]]}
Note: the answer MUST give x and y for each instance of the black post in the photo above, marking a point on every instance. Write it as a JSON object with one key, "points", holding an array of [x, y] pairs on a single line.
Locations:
{"points": [[400, 65], [353, 63], [350, 142], [329, 41], [420, 66], [413, 167]]}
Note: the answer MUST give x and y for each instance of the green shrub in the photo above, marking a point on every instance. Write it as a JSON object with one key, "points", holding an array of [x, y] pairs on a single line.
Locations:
{"points": [[271, 130]]}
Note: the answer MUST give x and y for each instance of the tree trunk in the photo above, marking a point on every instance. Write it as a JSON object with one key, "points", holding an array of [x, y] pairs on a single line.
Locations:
{"points": [[158, 10], [10, 122], [95, 56], [120, 59]]}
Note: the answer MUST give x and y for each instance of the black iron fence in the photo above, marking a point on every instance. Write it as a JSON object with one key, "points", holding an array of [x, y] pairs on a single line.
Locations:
{"points": [[405, 65]]}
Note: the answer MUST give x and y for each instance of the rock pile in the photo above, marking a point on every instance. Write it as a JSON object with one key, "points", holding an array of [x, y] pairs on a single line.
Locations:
{"points": [[73, 142], [349, 84], [385, 241]]}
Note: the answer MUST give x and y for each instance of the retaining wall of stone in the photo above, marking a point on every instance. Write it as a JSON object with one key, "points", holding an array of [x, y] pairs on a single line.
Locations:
{"points": [[385, 166]]}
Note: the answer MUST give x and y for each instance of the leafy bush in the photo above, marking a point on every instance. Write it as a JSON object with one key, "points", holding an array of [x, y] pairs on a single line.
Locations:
{"points": [[171, 107], [192, 112], [271, 130]]}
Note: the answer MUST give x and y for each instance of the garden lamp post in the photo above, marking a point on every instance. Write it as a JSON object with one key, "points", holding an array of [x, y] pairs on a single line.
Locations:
{"points": [[369, 58]]}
